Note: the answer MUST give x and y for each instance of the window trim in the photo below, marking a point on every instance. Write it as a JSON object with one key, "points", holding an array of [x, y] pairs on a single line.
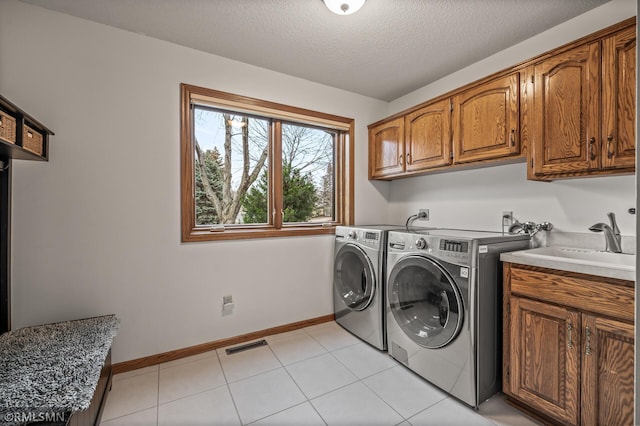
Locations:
{"points": [[344, 150]]}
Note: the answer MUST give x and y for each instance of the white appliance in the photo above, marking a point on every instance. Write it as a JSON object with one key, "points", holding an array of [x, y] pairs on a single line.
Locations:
{"points": [[444, 307]]}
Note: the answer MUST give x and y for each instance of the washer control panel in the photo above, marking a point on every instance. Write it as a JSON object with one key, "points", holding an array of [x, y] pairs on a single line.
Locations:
{"points": [[454, 246], [454, 250], [421, 243]]}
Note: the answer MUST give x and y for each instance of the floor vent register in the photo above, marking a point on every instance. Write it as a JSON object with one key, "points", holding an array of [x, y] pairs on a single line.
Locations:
{"points": [[246, 347]]}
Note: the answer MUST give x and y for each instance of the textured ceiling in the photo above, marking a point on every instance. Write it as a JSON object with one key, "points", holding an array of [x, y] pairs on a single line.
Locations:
{"points": [[386, 50]]}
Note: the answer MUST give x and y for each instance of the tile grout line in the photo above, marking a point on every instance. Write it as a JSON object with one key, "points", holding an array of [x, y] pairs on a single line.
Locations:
{"points": [[380, 396], [226, 381], [158, 399], [489, 421]]}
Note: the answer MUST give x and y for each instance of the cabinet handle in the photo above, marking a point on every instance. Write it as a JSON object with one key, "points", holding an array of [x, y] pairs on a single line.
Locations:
{"points": [[587, 350], [592, 147], [512, 137], [408, 158], [400, 159], [569, 333], [609, 152]]}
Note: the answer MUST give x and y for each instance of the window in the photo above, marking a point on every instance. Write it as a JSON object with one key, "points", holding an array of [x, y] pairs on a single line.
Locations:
{"points": [[252, 168]]}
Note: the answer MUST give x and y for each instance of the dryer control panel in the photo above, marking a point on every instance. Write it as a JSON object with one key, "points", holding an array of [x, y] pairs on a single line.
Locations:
{"points": [[372, 238]]}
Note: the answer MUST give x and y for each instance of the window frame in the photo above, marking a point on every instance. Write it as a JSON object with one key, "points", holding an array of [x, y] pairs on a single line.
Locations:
{"points": [[279, 113]]}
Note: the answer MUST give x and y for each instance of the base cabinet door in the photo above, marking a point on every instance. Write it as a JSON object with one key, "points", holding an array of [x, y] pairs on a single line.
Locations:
{"points": [[607, 372], [544, 361]]}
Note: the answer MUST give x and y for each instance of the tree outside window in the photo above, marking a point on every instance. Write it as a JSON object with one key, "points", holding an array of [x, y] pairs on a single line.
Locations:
{"points": [[250, 172]]}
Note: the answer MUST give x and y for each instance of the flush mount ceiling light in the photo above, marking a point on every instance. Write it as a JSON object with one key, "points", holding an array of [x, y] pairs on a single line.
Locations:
{"points": [[344, 7]]}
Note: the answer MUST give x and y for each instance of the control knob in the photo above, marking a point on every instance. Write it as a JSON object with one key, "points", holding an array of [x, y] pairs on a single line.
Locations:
{"points": [[421, 243], [352, 235]]}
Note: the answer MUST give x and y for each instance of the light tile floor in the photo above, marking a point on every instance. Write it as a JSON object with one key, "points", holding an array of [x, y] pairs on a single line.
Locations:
{"points": [[320, 375]]}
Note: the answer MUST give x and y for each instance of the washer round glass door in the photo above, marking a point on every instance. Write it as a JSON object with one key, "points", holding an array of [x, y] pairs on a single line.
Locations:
{"points": [[354, 279], [425, 301]]}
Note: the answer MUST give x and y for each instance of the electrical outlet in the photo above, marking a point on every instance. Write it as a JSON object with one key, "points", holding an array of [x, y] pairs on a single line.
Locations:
{"points": [[423, 214], [227, 304], [507, 218]]}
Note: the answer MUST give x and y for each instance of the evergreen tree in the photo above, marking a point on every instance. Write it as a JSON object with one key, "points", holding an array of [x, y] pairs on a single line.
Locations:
{"points": [[298, 193], [326, 194], [255, 204], [205, 211]]}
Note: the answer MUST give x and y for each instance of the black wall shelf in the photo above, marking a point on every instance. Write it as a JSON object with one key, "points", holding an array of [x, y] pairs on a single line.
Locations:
{"points": [[9, 151]]}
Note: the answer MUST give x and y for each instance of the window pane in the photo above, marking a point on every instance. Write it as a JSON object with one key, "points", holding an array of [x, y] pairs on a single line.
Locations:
{"points": [[308, 174], [230, 168]]}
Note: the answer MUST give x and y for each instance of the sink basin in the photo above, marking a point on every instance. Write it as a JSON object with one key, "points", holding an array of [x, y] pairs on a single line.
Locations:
{"points": [[620, 261]]}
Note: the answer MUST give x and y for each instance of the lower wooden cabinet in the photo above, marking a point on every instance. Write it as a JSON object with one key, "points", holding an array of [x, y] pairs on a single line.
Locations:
{"points": [[607, 372], [561, 361], [544, 369]]}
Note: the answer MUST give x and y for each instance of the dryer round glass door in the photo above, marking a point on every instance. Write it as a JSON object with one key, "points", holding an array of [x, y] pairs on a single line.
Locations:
{"points": [[354, 278], [425, 301]]}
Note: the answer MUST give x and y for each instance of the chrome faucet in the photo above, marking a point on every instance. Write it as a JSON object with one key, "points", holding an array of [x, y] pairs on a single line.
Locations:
{"points": [[611, 234]]}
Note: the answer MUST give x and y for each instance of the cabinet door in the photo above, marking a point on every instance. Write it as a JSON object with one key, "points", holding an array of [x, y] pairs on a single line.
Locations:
{"points": [[619, 100], [386, 149], [544, 358], [486, 120], [428, 136], [607, 372], [566, 135]]}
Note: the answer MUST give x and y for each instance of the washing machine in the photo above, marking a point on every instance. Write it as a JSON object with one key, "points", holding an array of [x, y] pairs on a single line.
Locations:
{"points": [[358, 281], [444, 299]]}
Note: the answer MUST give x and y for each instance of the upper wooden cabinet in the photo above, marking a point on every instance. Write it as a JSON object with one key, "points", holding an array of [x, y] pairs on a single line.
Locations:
{"points": [[486, 120], [584, 110], [566, 111], [418, 141], [428, 137], [570, 112], [618, 100], [386, 149]]}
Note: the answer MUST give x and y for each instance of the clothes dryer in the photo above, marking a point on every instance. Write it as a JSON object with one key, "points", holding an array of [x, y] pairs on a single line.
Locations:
{"points": [[358, 281], [444, 307]]}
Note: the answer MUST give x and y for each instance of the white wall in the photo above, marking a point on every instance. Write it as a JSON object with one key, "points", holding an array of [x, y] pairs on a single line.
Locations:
{"points": [[476, 198], [96, 230]]}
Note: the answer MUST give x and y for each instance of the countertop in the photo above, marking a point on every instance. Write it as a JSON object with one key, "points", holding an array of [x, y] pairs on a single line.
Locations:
{"points": [[562, 265]]}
